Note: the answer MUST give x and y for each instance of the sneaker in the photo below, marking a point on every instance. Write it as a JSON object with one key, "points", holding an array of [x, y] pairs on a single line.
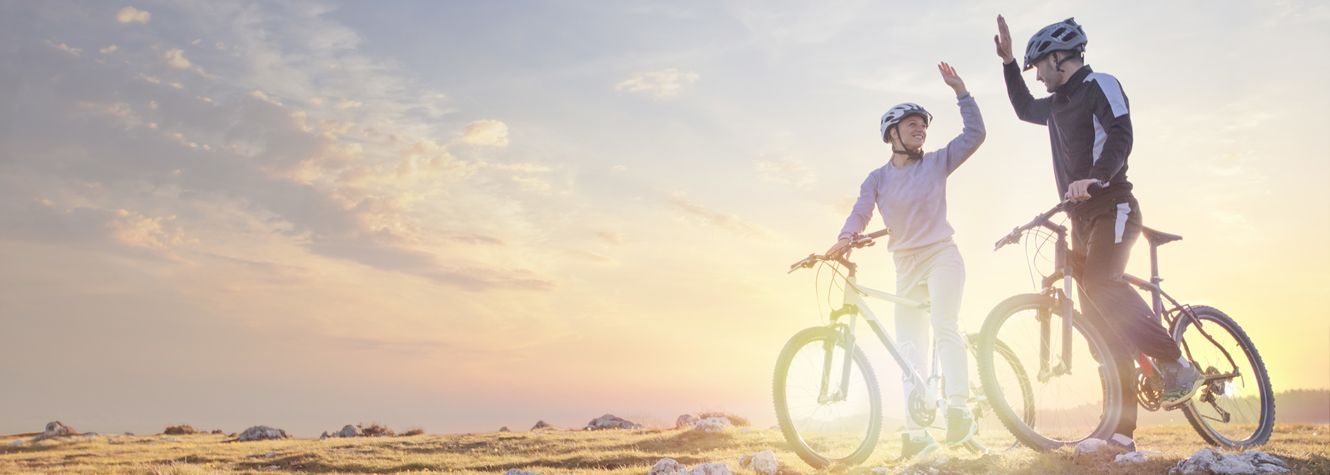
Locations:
{"points": [[1121, 442], [1181, 382], [960, 426], [912, 447]]}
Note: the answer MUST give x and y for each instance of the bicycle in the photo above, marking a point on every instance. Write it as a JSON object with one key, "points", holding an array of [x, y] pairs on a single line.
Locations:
{"points": [[826, 395], [1235, 408]]}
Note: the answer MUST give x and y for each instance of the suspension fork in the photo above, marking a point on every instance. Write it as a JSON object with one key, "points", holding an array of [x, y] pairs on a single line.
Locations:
{"points": [[848, 340]]}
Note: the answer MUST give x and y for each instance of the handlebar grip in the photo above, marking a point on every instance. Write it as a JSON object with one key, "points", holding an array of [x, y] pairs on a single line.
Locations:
{"points": [[879, 233]]}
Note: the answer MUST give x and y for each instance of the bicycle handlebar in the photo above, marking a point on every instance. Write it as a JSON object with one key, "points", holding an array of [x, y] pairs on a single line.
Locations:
{"points": [[1015, 235], [857, 241]]}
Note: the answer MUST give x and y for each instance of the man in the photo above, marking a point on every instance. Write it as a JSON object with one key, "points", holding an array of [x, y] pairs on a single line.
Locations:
{"points": [[1089, 126]]}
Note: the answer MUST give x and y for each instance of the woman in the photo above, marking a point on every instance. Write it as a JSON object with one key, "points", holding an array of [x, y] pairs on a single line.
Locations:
{"points": [[911, 193]]}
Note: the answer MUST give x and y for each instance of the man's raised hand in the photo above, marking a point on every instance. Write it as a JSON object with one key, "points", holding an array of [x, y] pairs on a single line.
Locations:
{"points": [[1003, 41]]}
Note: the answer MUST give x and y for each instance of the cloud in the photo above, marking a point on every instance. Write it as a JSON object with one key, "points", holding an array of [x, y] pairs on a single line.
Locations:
{"points": [[729, 223], [108, 49], [347, 104], [789, 172], [490, 133], [176, 58], [131, 14], [661, 84], [612, 238], [66, 48]]}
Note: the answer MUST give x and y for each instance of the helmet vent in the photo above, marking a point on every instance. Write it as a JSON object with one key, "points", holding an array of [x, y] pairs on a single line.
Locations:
{"points": [[1043, 45], [1058, 32]]}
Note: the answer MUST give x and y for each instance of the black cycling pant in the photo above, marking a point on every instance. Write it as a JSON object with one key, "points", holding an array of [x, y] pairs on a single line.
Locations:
{"points": [[1102, 242]]}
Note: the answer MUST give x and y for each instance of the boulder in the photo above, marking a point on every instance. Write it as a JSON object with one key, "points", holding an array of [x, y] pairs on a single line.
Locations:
{"points": [[712, 424], [541, 425], [685, 421], [1210, 461], [1134, 457], [18, 443], [504, 429], [513, 471], [347, 431], [610, 421], [668, 466], [182, 429], [762, 462], [1090, 446], [324, 435], [218, 432], [55, 429], [261, 433]]}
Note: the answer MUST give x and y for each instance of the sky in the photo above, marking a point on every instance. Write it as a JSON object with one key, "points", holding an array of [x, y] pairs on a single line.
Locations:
{"points": [[466, 215]]}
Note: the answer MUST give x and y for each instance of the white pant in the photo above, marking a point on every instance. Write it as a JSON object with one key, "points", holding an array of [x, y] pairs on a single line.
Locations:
{"points": [[934, 274]]}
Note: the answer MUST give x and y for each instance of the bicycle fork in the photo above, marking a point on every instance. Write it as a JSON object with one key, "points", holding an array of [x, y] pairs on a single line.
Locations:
{"points": [[1047, 370]]}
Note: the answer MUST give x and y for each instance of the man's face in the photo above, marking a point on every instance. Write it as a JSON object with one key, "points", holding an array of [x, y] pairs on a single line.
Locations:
{"points": [[1046, 70], [912, 131]]}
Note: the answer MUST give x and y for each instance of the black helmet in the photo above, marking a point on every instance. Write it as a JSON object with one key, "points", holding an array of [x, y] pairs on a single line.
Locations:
{"points": [[1060, 36]]}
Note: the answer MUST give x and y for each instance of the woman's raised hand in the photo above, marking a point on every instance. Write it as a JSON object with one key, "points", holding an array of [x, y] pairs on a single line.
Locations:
{"points": [[950, 77]]}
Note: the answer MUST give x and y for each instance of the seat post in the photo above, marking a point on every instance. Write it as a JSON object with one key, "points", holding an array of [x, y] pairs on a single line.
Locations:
{"points": [[1157, 303]]}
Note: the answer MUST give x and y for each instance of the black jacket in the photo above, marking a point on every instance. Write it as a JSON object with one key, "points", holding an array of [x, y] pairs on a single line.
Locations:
{"points": [[1090, 130]]}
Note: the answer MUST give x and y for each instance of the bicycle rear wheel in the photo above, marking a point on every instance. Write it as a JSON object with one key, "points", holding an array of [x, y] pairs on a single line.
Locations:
{"points": [[1237, 412], [824, 427], [1068, 408]]}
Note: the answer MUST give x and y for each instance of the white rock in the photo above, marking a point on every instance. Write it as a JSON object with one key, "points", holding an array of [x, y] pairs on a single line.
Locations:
{"points": [[1090, 446], [668, 466], [711, 469], [712, 424], [1209, 461], [55, 429], [261, 433], [684, 421], [762, 462], [1134, 457], [18, 443], [610, 421], [513, 471]]}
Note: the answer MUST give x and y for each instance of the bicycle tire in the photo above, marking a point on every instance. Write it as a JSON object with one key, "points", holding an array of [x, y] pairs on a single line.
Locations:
{"points": [[808, 427], [1051, 427], [1236, 396], [984, 410]]}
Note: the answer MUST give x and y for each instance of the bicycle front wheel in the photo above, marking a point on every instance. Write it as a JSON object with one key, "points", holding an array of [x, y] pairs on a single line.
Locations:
{"points": [[1060, 403], [1237, 411], [1009, 370], [824, 422]]}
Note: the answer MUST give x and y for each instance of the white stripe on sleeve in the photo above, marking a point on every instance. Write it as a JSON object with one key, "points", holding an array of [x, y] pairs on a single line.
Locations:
{"points": [[1112, 91]]}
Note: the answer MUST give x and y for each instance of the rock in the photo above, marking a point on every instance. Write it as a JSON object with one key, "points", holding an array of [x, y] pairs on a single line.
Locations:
{"points": [[1209, 461], [324, 436], [685, 421], [541, 425], [131, 434], [261, 433], [270, 454], [504, 429], [217, 431], [1090, 446], [18, 443], [610, 421], [182, 429], [712, 424], [668, 467], [1134, 457], [711, 469], [762, 462], [348, 431], [55, 429], [513, 471]]}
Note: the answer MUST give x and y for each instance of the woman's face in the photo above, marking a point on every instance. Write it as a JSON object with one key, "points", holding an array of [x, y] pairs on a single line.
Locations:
{"points": [[912, 131]]}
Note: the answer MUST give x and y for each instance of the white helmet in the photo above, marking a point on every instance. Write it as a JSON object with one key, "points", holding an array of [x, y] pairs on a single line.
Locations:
{"points": [[900, 112]]}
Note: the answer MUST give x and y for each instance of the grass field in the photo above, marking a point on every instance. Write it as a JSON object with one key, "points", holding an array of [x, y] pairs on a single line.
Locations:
{"points": [[557, 452]]}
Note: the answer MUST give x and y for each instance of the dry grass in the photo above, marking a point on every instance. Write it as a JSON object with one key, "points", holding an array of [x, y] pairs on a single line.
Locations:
{"points": [[736, 420], [557, 452]]}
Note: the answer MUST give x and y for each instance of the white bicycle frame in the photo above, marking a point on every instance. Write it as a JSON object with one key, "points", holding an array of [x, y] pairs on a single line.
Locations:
{"points": [[855, 305]]}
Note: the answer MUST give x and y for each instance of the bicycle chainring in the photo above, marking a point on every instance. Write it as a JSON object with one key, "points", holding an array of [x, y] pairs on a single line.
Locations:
{"points": [[1150, 390], [921, 410]]}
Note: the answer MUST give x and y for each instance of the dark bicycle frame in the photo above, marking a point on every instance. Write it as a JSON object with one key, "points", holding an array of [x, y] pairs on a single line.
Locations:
{"points": [[1065, 270]]}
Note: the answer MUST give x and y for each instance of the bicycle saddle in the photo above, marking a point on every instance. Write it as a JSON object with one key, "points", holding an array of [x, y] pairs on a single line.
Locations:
{"points": [[1158, 238]]}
